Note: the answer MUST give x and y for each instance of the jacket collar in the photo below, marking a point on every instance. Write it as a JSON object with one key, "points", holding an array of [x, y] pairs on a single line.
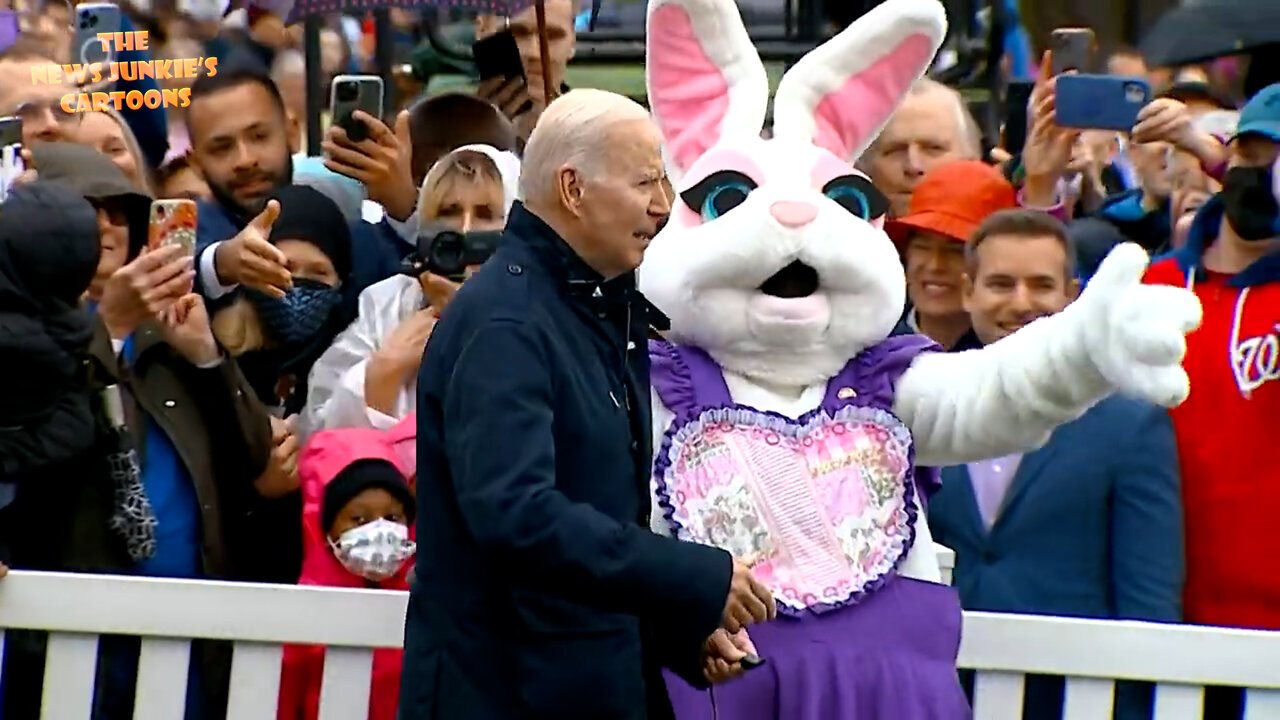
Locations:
{"points": [[568, 269], [1203, 233]]}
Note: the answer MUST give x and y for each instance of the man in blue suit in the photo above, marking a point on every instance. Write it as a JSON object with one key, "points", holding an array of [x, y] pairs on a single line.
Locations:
{"points": [[1090, 525]]}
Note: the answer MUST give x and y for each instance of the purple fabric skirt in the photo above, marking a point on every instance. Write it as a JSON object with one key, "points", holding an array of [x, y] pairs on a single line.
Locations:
{"points": [[891, 657]]}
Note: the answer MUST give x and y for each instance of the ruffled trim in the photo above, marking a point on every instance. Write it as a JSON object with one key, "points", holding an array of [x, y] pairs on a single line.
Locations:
{"points": [[687, 422], [671, 376]]}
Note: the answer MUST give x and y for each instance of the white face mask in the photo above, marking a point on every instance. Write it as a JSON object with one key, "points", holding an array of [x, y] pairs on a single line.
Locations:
{"points": [[375, 550]]}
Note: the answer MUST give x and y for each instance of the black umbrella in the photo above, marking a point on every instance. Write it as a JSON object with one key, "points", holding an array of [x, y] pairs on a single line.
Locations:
{"points": [[1202, 30]]}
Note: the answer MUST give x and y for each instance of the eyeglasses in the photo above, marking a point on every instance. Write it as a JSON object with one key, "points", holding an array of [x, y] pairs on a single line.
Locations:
{"points": [[32, 111]]}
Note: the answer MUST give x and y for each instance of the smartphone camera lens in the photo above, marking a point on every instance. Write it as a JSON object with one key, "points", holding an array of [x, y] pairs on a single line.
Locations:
{"points": [[1134, 93], [347, 92]]}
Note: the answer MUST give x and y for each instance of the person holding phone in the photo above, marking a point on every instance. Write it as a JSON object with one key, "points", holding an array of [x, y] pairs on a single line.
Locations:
{"points": [[368, 377], [153, 340], [523, 98]]}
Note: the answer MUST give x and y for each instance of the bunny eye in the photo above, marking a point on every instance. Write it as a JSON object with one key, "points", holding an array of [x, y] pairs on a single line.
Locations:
{"points": [[857, 195], [718, 193]]}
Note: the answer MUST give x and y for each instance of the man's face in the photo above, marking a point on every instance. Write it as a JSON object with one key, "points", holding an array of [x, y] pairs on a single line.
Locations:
{"points": [[1127, 66], [935, 268], [1151, 162], [1253, 150], [39, 105], [1191, 188], [239, 143], [562, 41], [925, 132], [622, 208], [1016, 280]]}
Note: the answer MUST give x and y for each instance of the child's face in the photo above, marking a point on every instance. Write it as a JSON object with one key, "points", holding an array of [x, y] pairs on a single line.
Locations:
{"points": [[369, 505]]}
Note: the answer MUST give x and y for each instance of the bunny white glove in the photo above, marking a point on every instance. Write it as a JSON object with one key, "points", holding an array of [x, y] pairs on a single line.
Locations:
{"points": [[1007, 397]]}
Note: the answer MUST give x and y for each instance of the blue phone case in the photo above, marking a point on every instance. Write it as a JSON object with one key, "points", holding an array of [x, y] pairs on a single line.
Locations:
{"points": [[1100, 102]]}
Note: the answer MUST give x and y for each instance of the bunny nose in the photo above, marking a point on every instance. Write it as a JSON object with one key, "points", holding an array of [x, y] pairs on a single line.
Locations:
{"points": [[793, 214]]}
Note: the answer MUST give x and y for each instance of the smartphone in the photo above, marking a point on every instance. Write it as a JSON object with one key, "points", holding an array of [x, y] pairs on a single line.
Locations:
{"points": [[1100, 102], [173, 222], [91, 19], [355, 92], [11, 165], [1016, 97], [10, 29], [1072, 50], [498, 55]]}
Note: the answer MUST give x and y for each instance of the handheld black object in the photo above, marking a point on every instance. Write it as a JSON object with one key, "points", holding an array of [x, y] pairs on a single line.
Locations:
{"points": [[1072, 50], [355, 92], [498, 55], [448, 253], [1017, 96], [752, 662]]}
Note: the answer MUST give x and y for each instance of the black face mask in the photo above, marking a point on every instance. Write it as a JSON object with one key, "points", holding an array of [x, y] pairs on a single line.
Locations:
{"points": [[1250, 203]]}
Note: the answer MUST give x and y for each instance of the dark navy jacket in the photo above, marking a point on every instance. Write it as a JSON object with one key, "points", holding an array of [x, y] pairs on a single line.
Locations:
{"points": [[540, 590], [1091, 526]]}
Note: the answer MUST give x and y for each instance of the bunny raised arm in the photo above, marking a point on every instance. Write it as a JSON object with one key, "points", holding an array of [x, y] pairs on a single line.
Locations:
{"points": [[1120, 335]]}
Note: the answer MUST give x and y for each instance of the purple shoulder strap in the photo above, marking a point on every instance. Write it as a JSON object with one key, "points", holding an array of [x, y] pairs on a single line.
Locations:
{"points": [[873, 374], [686, 378]]}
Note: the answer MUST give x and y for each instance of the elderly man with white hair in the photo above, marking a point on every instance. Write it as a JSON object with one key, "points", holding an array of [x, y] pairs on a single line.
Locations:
{"points": [[540, 591]]}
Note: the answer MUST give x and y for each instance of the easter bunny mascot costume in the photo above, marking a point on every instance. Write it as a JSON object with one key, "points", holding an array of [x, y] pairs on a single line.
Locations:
{"points": [[793, 431]]}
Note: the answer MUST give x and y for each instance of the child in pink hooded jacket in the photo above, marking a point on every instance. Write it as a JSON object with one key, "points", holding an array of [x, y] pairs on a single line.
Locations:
{"points": [[357, 524]]}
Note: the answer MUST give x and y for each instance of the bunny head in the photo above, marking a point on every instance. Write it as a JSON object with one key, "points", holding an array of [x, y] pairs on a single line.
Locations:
{"points": [[775, 260]]}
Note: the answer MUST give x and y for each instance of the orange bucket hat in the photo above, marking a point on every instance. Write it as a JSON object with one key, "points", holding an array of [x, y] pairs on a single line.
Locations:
{"points": [[953, 200]]}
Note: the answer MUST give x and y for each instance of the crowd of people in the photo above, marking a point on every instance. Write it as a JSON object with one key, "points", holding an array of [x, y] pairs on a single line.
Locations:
{"points": [[249, 412]]}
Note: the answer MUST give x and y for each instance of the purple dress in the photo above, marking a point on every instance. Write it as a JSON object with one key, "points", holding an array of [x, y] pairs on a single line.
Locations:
{"points": [[853, 639]]}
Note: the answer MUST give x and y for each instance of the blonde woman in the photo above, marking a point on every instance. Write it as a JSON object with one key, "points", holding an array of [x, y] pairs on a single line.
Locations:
{"points": [[367, 378], [108, 133]]}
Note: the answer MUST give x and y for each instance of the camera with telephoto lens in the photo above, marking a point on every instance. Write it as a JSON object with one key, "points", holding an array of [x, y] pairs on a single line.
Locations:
{"points": [[448, 252]]}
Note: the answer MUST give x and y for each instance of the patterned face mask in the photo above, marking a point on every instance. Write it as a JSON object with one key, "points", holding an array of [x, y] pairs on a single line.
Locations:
{"points": [[301, 314], [374, 551]]}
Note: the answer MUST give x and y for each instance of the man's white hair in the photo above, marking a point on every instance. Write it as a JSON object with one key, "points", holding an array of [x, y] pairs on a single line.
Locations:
{"points": [[573, 130], [968, 133]]}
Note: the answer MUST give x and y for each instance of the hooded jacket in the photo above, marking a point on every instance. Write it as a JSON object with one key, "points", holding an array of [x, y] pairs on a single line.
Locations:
{"points": [[323, 457], [1226, 433], [48, 254]]}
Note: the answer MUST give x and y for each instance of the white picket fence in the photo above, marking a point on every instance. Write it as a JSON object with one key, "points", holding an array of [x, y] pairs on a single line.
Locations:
{"points": [[259, 618]]}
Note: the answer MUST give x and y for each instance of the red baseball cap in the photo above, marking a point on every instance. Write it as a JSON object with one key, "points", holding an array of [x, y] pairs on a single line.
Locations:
{"points": [[953, 200]]}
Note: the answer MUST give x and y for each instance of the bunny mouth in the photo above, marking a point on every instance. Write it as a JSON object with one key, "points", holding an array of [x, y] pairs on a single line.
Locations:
{"points": [[796, 280]]}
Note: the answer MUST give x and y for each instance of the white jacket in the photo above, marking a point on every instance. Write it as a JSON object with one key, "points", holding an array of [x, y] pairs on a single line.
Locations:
{"points": [[335, 390]]}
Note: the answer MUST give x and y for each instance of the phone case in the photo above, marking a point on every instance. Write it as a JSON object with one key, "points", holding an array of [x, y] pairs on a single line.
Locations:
{"points": [[1072, 50], [497, 55], [1100, 102], [91, 19], [173, 222], [349, 93], [10, 131]]}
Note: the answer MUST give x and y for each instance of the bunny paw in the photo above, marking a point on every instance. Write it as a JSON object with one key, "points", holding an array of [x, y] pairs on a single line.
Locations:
{"points": [[1136, 333]]}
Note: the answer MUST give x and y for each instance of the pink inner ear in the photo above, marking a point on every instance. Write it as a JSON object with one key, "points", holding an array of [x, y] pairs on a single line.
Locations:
{"points": [[845, 118], [687, 91]]}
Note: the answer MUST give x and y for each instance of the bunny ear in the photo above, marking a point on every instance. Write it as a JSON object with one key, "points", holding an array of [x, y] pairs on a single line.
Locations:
{"points": [[705, 79], [842, 93]]}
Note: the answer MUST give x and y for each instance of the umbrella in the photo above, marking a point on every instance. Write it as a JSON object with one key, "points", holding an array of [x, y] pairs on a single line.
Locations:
{"points": [[301, 8], [1202, 30]]}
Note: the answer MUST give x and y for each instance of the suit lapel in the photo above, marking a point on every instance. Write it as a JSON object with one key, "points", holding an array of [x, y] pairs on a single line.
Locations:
{"points": [[1029, 469], [968, 500]]}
